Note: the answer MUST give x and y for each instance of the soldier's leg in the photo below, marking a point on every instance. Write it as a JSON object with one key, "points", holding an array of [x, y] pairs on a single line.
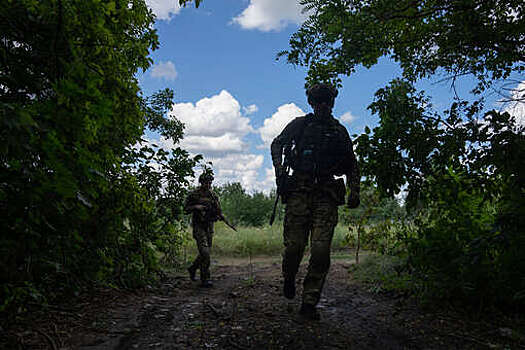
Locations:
{"points": [[297, 222], [209, 234], [197, 261], [202, 262], [324, 219], [205, 271]]}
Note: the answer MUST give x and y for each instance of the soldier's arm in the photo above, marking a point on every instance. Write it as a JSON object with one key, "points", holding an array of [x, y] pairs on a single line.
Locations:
{"points": [[217, 204], [191, 204], [279, 142]]}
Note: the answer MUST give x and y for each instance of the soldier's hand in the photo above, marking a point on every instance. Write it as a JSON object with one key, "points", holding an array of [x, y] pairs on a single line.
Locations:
{"points": [[353, 201]]}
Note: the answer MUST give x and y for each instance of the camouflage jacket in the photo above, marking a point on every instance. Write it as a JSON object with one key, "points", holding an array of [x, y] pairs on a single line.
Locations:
{"points": [[209, 200]]}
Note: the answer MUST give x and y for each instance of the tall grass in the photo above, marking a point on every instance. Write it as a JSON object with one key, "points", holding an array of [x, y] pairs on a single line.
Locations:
{"points": [[256, 241]]}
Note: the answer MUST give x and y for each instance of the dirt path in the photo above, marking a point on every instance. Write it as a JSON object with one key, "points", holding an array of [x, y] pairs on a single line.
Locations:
{"points": [[245, 310]]}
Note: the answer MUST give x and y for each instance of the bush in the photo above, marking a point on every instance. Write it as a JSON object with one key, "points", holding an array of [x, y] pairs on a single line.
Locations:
{"points": [[460, 253]]}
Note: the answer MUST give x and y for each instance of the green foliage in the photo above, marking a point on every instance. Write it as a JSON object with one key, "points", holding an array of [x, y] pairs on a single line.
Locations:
{"points": [[257, 241], [373, 208], [247, 241], [82, 198], [463, 171], [471, 239], [478, 37], [396, 152], [384, 273], [243, 208], [389, 237], [459, 253], [379, 224]]}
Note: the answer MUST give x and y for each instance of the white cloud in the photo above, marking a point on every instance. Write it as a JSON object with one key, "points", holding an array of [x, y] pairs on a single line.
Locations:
{"points": [[243, 168], [269, 180], [164, 70], [516, 108], [164, 9], [215, 128], [270, 15], [250, 109], [347, 118], [275, 124], [213, 116], [214, 145]]}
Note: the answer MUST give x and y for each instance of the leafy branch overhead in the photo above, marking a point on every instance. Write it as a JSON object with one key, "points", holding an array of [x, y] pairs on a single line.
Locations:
{"points": [[478, 37]]}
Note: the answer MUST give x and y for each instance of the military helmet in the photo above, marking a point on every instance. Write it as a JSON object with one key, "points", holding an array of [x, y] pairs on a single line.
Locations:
{"points": [[321, 93], [206, 177]]}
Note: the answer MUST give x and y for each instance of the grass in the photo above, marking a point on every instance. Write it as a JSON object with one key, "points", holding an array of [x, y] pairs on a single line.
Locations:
{"points": [[256, 241], [383, 273]]}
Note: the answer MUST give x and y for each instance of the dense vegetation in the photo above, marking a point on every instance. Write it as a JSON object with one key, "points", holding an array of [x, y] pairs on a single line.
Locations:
{"points": [[243, 208], [462, 168], [83, 198]]}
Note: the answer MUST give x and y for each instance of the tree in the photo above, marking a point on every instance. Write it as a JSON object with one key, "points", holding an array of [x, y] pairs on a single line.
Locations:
{"points": [[79, 197], [244, 208], [478, 37], [460, 166]]}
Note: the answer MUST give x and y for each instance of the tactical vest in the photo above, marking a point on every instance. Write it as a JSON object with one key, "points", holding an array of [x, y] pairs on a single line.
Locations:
{"points": [[320, 149]]}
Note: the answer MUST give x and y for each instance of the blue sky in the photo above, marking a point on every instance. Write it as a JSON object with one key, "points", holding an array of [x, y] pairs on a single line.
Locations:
{"points": [[232, 93]]}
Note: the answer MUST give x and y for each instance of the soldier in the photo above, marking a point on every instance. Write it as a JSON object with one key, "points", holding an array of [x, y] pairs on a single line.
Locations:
{"points": [[317, 148], [204, 204]]}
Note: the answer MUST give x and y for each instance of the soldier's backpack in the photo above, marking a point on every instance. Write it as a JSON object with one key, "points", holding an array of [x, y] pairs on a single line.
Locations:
{"points": [[320, 148]]}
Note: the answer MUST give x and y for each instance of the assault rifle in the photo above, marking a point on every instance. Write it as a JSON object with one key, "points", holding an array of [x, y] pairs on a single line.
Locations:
{"points": [[223, 219], [211, 213], [283, 182]]}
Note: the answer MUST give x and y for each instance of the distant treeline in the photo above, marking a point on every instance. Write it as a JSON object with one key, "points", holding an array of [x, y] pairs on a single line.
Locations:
{"points": [[254, 208]]}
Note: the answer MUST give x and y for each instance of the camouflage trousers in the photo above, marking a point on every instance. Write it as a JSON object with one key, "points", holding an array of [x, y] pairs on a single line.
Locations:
{"points": [[310, 214], [203, 235]]}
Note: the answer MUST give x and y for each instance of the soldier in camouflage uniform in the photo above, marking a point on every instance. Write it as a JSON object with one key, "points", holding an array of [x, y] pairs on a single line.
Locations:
{"points": [[317, 148], [205, 208]]}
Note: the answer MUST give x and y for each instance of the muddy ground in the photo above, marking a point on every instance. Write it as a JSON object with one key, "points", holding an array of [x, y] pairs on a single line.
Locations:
{"points": [[246, 310]]}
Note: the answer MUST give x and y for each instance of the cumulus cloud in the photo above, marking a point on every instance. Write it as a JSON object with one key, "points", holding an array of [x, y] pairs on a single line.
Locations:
{"points": [[268, 182], [270, 15], [164, 70], [347, 118], [213, 116], [214, 145], [164, 9], [215, 128], [275, 124], [243, 168]]}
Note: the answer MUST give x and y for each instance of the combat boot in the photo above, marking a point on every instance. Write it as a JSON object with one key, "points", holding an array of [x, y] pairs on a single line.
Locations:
{"points": [[289, 288], [310, 312], [192, 271]]}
